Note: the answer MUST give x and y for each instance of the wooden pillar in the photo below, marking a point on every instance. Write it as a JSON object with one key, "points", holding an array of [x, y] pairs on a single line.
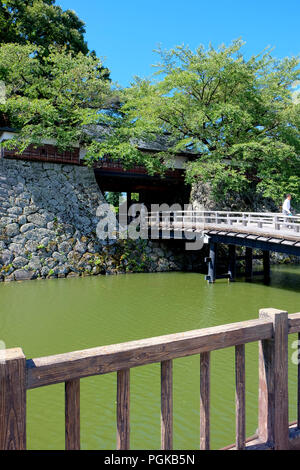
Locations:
{"points": [[273, 425], [212, 263], [232, 263], [205, 401], [266, 264], [240, 396], [248, 264], [12, 400], [123, 409], [167, 405], [72, 414]]}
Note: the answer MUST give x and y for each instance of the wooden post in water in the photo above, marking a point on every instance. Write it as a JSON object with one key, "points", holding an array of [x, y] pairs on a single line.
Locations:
{"points": [[248, 264], [273, 425], [12, 400], [212, 263], [266, 264], [232, 263]]}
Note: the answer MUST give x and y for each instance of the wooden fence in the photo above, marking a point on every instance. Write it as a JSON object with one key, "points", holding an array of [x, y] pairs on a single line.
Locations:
{"points": [[270, 330], [44, 153]]}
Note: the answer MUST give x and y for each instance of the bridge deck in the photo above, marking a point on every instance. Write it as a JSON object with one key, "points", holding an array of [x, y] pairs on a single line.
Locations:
{"points": [[269, 226], [262, 231], [285, 232], [238, 230]]}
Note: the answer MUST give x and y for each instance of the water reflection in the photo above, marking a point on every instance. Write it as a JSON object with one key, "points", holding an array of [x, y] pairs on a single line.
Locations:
{"points": [[55, 316]]}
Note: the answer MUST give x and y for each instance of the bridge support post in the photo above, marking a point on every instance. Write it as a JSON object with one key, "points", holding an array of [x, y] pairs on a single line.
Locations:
{"points": [[266, 264], [249, 264], [212, 263], [232, 263]]}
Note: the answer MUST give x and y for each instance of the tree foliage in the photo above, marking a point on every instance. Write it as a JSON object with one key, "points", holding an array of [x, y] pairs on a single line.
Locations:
{"points": [[53, 84], [236, 115], [42, 23], [52, 99]]}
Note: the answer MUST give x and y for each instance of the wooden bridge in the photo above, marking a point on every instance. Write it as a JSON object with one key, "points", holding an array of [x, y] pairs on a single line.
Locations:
{"points": [[271, 330], [111, 174], [261, 231]]}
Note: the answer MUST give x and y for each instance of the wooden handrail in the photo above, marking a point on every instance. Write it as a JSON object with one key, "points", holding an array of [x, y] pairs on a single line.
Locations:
{"points": [[271, 331], [97, 361], [294, 323]]}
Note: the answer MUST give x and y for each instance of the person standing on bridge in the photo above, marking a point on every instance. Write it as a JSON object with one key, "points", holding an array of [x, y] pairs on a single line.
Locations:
{"points": [[286, 208]]}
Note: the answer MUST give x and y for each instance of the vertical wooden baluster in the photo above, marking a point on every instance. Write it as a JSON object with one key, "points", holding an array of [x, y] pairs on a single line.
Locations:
{"points": [[298, 405], [266, 265], [72, 414], [167, 405], [212, 263], [204, 401], [273, 425], [123, 409], [240, 396]]}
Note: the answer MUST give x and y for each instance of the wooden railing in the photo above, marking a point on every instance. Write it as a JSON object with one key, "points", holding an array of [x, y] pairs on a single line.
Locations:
{"points": [[44, 153], [196, 220], [271, 330], [117, 165]]}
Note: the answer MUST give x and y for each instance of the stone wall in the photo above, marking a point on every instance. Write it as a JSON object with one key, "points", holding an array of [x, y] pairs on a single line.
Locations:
{"points": [[202, 199], [48, 228]]}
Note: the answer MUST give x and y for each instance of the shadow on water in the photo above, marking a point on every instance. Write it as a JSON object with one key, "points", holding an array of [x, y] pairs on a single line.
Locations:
{"points": [[282, 277]]}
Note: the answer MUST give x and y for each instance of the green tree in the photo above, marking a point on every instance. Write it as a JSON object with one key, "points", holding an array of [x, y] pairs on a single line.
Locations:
{"points": [[113, 198], [42, 23], [236, 115], [54, 98]]}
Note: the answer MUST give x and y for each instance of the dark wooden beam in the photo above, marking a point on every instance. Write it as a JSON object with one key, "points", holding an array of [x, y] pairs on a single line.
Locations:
{"points": [[256, 244], [232, 262], [212, 263], [248, 264], [266, 264]]}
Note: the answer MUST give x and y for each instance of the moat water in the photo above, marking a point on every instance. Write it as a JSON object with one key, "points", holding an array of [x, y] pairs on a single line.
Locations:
{"points": [[63, 315]]}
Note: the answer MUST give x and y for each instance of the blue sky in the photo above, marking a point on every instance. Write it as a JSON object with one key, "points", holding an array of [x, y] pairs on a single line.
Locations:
{"points": [[127, 32]]}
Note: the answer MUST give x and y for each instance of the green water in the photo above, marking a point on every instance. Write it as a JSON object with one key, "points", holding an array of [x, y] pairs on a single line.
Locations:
{"points": [[56, 316]]}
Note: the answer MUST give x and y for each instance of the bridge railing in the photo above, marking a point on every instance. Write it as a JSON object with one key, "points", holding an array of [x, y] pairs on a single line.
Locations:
{"points": [[270, 330], [195, 220]]}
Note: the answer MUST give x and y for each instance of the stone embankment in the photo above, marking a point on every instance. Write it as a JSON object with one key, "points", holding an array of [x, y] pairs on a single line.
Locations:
{"points": [[48, 228]]}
